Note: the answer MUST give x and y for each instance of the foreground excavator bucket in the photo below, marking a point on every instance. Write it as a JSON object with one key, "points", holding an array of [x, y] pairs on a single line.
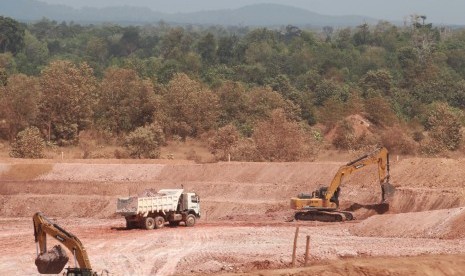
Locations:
{"points": [[53, 261], [388, 191]]}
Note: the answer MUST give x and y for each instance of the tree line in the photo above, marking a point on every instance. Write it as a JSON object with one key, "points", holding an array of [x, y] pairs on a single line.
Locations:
{"points": [[257, 93]]}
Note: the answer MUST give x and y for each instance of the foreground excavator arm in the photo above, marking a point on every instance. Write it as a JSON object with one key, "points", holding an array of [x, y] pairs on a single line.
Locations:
{"points": [[380, 156], [43, 227]]}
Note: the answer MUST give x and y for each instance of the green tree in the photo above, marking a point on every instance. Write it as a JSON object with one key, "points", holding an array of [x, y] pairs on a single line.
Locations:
{"points": [[7, 63], [226, 49], [28, 144], [68, 100], [130, 41], [362, 36], [377, 80], [329, 89], [408, 59], [11, 35], [283, 86], [97, 49], [344, 39], [386, 35], [175, 44], [191, 108], [126, 101], [34, 55], [233, 100], [206, 47]]}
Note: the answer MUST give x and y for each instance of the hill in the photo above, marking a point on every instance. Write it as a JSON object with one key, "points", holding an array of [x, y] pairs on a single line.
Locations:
{"points": [[253, 15]]}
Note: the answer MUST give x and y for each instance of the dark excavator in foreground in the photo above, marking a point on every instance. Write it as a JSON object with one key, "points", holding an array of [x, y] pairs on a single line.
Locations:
{"points": [[54, 260], [323, 204]]}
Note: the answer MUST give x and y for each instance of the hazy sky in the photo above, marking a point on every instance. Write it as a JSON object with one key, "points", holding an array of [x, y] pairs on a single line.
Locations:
{"points": [[437, 11]]}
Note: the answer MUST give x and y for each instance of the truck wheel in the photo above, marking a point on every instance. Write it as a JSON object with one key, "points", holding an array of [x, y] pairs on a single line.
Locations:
{"points": [[190, 220], [159, 222], [149, 223]]}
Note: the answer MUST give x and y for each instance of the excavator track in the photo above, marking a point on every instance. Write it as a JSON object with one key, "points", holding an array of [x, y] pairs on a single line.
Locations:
{"points": [[325, 216]]}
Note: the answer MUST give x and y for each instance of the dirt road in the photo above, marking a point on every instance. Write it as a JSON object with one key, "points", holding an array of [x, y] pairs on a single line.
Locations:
{"points": [[209, 248]]}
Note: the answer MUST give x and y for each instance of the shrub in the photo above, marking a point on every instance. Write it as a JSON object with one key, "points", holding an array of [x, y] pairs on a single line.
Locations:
{"points": [[223, 141], [431, 147], [444, 125], [192, 155], [345, 136], [28, 144], [397, 141], [120, 154], [145, 142], [246, 150], [379, 111]]}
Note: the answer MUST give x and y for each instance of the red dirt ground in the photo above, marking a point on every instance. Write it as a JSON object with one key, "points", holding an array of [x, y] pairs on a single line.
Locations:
{"points": [[245, 213]]}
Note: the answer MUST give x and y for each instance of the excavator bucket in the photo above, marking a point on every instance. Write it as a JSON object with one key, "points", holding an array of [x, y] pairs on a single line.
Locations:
{"points": [[53, 261], [388, 191]]}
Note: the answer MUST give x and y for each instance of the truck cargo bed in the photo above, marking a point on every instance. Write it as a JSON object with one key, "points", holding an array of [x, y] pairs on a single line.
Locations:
{"points": [[165, 201]]}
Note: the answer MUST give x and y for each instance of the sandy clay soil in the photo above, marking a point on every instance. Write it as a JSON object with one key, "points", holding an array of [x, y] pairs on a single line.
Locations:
{"points": [[245, 225]]}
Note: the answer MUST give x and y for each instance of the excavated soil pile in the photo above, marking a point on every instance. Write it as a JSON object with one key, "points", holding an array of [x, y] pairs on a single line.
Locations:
{"points": [[438, 224], [53, 261], [440, 265]]}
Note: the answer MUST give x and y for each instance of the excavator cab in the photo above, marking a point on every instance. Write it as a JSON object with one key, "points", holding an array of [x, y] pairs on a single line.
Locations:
{"points": [[321, 194]]}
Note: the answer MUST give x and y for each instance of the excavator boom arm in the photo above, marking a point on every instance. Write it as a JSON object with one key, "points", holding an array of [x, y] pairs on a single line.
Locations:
{"points": [[43, 227], [379, 156]]}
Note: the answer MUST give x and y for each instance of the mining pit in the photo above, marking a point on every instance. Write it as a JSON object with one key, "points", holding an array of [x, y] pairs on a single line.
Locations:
{"points": [[246, 225]]}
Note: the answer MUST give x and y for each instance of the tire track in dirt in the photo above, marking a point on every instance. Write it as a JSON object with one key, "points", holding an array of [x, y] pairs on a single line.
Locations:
{"points": [[174, 256]]}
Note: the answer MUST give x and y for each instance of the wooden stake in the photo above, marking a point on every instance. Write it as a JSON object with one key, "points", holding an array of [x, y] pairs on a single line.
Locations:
{"points": [[295, 245], [307, 250]]}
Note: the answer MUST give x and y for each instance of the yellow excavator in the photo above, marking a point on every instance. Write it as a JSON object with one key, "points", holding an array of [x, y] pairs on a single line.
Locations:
{"points": [[323, 204], [54, 260]]}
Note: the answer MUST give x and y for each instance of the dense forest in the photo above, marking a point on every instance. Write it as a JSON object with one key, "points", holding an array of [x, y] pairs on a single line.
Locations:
{"points": [[250, 93]]}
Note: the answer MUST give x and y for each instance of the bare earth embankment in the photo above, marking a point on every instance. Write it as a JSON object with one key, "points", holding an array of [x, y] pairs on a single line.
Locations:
{"points": [[244, 226]]}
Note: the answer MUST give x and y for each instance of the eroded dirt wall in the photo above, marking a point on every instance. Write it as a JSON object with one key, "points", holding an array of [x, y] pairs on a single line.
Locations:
{"points": [[228, 190]]}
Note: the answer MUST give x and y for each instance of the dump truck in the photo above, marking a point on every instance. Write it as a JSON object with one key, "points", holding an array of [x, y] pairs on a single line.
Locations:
{"points": [[173, 206]]}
